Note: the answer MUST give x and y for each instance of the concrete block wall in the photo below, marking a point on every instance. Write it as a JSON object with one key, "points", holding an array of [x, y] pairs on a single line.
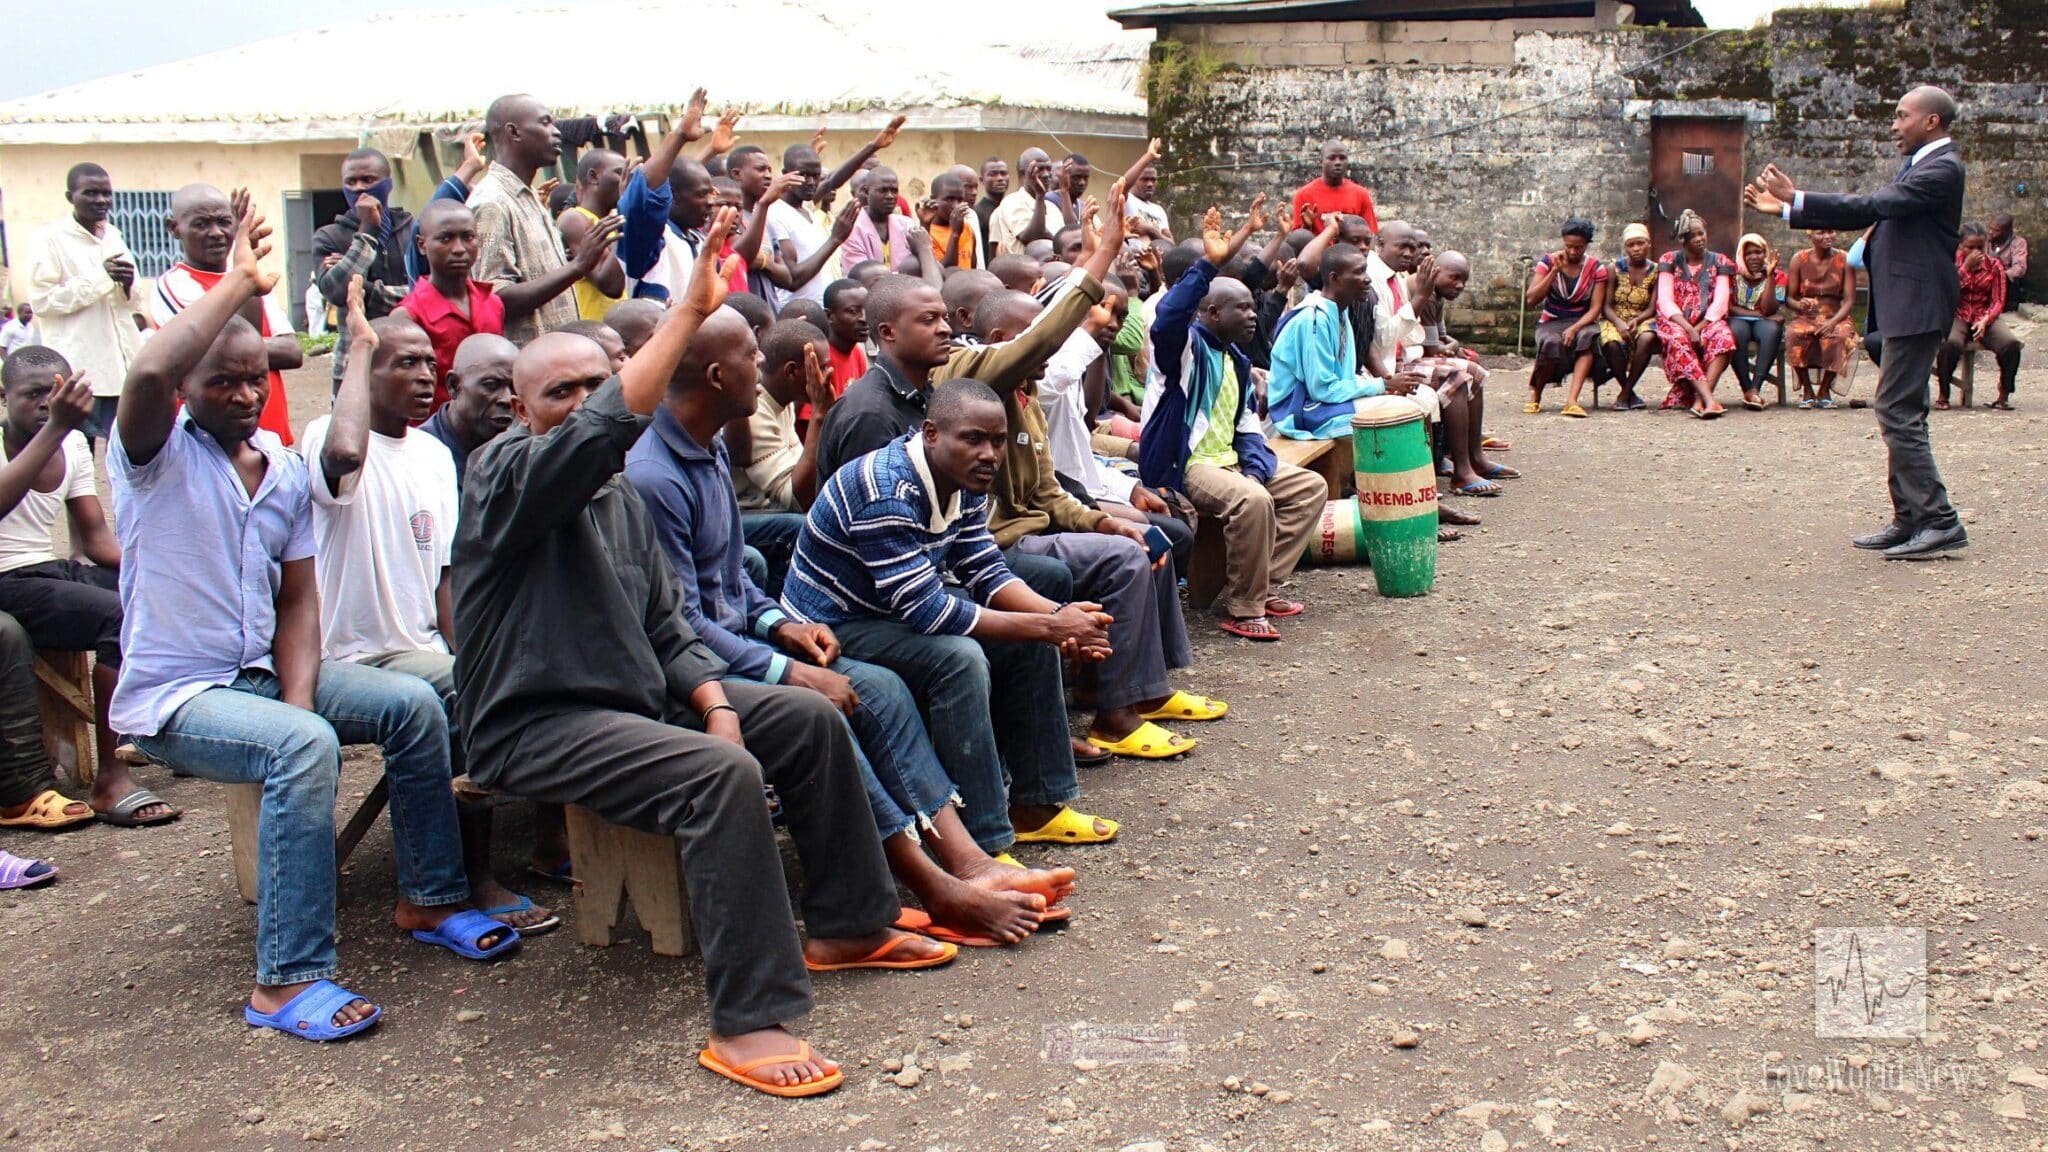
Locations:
{"points": [[1400, 43]]}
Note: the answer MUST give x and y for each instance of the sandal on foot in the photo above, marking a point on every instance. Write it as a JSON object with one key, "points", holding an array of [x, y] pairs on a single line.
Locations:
{"points": [[920, 921], [1279, 609], [1999, 406], [518, 907], [310, 1014], [1824, 403], [1250, 628], [1070, 827], [560, 874], [1941, 405], [1148, 741], [1495, 444], [1531, 408], [1574, 411], [1087, 755], [122, 814], [20, 872], [1753, 403], [1187, 706], [46, 814], [463, 932], [880, 957], [1478, 488], [1501, 472], [743, 1073], [1448, 535]]}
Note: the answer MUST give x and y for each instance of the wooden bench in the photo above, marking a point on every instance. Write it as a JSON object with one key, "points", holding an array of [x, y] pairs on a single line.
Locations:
{"points": [[1330, 459], [1966, 383], [70, 719], [245, 816]]}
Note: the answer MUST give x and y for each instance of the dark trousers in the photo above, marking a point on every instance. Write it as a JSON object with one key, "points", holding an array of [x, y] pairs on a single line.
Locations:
{"points": [[67, 607], [1048, 576], [670, 778], [1919, 499], [1180, 536], [773, 535], [25, 770], [1998, 340], [1767, 334]]}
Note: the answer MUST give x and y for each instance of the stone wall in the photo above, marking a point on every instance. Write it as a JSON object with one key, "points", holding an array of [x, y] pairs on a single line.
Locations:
{"points": [[1491, 156]]}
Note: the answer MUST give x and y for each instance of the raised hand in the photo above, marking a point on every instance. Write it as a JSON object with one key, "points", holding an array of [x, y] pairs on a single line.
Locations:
{"points": [[708, 285], [360, 334], [887, 136], [71, 404], [473, 150], [546, 188], [1256, 221], [818, 140], [1762, 200], [1774, 181], [1215, 244], [927, 212], [782, 185], [842, 224], [1287, 275], [692, 123], [598, 242], [961, 213], [725, 135], [817, 385], [252, 244]]}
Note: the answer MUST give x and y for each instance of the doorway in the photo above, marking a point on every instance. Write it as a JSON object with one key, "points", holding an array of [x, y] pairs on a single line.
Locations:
{"points": [[1696, 163]]}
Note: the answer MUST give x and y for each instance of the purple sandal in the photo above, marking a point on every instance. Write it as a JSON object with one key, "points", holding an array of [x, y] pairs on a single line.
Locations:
{"points": [[16, 872]]}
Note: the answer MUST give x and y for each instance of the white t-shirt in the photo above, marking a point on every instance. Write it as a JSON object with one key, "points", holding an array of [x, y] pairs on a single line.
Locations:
{"points": [[25, 532], [787, 223], [382, 543], [14, 334]]}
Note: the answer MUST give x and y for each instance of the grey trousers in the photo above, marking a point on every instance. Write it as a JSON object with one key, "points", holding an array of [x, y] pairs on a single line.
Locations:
{"points": [[1149, 634], [25, 770], [1919, 499], [670, 778]]}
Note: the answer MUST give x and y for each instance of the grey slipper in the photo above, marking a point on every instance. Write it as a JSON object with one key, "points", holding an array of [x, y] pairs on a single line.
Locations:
{"points": [[122, 814]]}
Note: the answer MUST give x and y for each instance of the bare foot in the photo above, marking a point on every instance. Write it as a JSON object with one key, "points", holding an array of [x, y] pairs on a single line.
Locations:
{"points": [[748, 1046], [852, 949], [268, 998], [413, 918], [488, 893], [976, 911], [1055, 884]]}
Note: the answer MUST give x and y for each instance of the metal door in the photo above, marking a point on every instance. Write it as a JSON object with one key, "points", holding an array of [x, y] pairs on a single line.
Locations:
{"points": [[1696, 163], [299, 227]]}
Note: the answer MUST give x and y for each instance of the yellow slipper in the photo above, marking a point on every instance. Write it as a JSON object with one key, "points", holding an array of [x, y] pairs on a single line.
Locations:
{"points": [[46, 814], [1187, 706], [1148, 741], [1575, 412], [1531, 408], [1070, 827]]}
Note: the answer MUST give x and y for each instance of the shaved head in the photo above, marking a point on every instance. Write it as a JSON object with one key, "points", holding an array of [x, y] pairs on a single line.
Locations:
{"points": [[203, 222], [484, 349], [634, 321], [965, 292], [193, 196], [715, 339], [553, 375], [1006, 313], [506, 109], [1453, 261], [438, 210]]}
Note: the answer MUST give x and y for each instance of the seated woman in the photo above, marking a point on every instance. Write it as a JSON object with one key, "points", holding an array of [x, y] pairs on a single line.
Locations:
{"points": [[1692, 311], [1573, 292], [1756, 292], [1820, 291], [1978, 319], [1628, 332]]}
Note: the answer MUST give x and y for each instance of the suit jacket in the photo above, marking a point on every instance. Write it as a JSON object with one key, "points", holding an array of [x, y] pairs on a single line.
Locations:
{"points": [[1910, 254]]}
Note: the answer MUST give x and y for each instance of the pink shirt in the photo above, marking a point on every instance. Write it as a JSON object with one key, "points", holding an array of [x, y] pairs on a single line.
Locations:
{"points": [[868, 243]]}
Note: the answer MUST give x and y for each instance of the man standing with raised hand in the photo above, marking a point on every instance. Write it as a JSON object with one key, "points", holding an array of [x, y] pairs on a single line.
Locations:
{"points": [[1915, 225]]}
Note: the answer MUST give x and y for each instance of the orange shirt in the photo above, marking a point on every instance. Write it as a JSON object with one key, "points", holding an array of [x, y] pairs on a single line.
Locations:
{"points": [[942, 235]]}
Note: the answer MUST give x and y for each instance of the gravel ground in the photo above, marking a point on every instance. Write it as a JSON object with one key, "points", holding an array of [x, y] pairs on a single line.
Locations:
{"points": [[1536, 860]]}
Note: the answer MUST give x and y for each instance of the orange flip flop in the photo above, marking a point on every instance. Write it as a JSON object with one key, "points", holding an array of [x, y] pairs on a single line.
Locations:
{"points": [[919, 921], [742, 1073], [879, 958]]}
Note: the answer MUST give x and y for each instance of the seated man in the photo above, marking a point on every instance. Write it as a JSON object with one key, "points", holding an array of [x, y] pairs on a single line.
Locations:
{"points": [[1034, 515], [688, 490], [479, 399], [222, 674], [581, 684], [885, 530], [1318, 378], [384, 512], [64, 606], [1203, 436], [846, 325], [778, 477], [24, 763], [1439, 281], [635, 321]]}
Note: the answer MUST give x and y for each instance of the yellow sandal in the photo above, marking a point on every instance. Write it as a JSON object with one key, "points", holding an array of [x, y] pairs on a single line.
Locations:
{"points": [[1575, 412], [46, 814], [1187, 706], [1148, 741], [1070, 827], [1531, 408]]}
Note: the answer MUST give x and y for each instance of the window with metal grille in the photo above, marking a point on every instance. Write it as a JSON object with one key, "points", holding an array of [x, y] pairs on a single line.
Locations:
{"points": [[140, 217], [1699, 163]]}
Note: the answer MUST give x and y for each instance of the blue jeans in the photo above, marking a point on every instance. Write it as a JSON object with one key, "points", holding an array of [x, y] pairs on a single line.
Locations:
{"points": [[244, 734], [773, 535], [995, 702]]}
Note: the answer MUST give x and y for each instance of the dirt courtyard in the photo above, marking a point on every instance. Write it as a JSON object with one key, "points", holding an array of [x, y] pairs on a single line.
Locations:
{"points": [[1537, 860]]}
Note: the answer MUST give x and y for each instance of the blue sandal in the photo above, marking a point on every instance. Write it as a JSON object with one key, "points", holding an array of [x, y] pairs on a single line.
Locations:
{"points": [[1479, 488], [524, 904], [461, 933], [310, 1014]]}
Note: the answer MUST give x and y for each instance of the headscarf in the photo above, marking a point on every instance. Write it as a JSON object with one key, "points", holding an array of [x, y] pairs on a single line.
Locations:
{"points": [[1636, 231], [1742, 247], [1687, 221]]}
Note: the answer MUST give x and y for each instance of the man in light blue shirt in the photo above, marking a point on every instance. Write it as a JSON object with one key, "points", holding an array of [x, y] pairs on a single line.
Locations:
{"points": [[222, 614]]}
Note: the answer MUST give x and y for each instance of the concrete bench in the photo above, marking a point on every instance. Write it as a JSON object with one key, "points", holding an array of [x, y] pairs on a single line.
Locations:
{"points": [[1330, 459]]}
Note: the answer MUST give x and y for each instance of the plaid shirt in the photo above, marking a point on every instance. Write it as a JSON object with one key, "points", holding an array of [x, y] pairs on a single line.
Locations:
{"points": [[516, 242]]}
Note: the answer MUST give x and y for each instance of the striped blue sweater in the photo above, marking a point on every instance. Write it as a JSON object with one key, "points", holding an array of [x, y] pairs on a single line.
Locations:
{"points": [[870, 548]]}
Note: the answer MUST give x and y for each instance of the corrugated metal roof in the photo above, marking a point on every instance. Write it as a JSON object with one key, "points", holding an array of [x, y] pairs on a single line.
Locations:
{"points": [[775, 58]]}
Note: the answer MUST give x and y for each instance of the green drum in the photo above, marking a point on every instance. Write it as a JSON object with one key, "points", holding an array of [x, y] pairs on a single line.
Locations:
{"points": [[1396, 477], [1339, 538]]}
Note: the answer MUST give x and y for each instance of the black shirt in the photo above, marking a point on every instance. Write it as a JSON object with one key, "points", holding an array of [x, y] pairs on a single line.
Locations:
{"points": [[877, 408], [563, 596], [983, 209]]}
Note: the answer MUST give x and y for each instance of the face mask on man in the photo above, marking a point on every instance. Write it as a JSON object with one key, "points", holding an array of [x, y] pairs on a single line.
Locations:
{"points": [[381, 193]]}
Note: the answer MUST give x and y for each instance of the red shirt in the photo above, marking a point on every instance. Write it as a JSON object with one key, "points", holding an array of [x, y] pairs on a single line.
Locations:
{"points": [[1983, 295], [1349, 198], [846, 368], [448, 328]]}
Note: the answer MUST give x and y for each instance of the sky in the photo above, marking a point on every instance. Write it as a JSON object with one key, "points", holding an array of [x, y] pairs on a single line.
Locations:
{"points": [[46, 44]]}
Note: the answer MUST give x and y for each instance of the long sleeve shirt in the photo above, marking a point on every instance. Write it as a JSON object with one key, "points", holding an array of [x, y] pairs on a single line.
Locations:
{"points": [[688, 490], [878, 543], [2012, 254], [563, 595], [869, 242], [81, 310], [1315, 378], [1983, 295], [1182, 405]]}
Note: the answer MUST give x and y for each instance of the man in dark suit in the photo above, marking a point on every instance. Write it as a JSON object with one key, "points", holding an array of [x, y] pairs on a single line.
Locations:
{"points": [[1914, 227]]}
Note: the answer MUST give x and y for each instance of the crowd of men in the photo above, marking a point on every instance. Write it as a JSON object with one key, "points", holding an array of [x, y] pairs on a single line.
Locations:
{"points": [[698, 502]]}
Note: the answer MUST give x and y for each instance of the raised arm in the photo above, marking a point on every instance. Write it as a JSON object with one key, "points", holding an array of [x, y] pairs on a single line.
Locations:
{"points": [[750, 247], [149, 398], [724, 136], [845, 171], [689, 127], [802, 272], [1309, 261], [70, 407], [348, 429]]}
